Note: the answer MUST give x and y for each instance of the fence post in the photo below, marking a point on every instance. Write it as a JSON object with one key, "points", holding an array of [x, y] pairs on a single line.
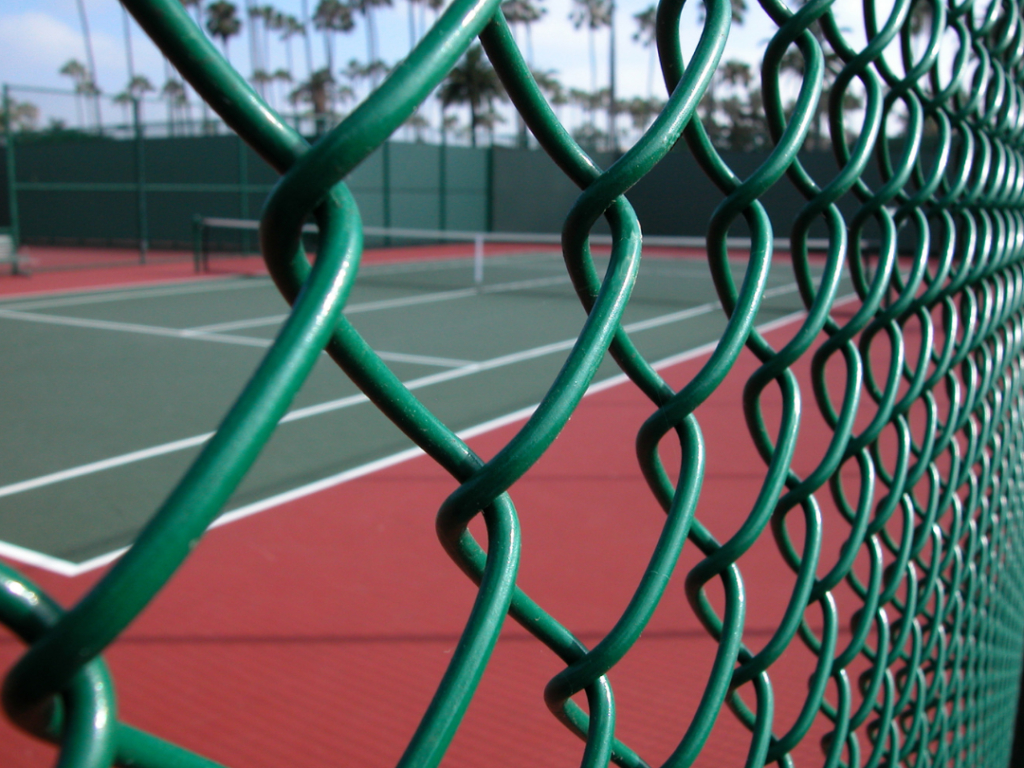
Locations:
{"points": [[243, 194], [140, 182], [489, 189], [386, 186], [478, 259], [198, 249], [442, 184], [12, 191], [1017, 755]]}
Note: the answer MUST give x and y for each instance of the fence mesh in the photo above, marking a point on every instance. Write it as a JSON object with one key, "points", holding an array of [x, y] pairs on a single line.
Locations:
{"points": [[919, 384]]}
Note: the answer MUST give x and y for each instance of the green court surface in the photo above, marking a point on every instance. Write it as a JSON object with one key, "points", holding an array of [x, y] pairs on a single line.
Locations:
{"points": [[110, 394]]}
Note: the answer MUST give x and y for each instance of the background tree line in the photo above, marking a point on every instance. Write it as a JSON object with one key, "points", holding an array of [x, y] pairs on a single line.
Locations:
{"points": [[468, 105]]}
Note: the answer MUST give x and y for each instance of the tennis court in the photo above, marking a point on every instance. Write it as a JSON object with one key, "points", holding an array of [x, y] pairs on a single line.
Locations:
{"points": [[113, 392], [323, 625]]}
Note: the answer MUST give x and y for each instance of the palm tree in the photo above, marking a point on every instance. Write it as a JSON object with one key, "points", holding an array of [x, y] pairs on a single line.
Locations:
{"points": [[739, 11], [416, 123], [320, 92], [307, 43], [645, 35], [595, 15], [332, 16], [125, 101], [222, 21], [177, 101], [138, 86], [261, 16], [524, 12], [197, 9], [590, 102], [613, 128], [357, 73], [642, 111], [254, 53], [74, 69], [411, 6], [89, 86], [272, 21], [288, 26], [551, 87], [366, 8], [793, 61], [260, 78], [473, 82], [18, 115], [282, 75], [129, 57]]}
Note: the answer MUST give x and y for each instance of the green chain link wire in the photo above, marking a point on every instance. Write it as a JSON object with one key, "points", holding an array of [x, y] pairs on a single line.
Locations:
{"points": [[937, 644]]}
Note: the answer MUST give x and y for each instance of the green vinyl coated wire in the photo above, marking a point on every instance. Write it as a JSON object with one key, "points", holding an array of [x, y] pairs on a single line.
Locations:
{"points": [[929, 671]]}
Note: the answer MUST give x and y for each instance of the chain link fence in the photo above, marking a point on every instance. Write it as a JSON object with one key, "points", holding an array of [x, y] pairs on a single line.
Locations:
{"points": [[919, 385]]}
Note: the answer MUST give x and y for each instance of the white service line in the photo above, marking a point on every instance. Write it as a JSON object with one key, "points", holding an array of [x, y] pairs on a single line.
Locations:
{"points": [[405, 301], [298, 414], [104, 295], [440, 362], [70, 569], [138, 328]]}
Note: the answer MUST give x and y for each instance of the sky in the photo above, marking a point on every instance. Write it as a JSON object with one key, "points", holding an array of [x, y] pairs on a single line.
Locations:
{"points": [[38, 37]]}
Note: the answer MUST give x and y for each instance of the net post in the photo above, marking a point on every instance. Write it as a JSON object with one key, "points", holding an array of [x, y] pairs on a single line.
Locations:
{"points": [[12, 191], [198, 241], [243, 193], [140, 181], [478, 259]]}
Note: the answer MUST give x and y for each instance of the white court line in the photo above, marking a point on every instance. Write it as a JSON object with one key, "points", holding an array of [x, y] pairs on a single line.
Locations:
{"points": [[346, 402], [104, 295], [440, 362], [239, 325], [138, 328], [204, 333], [70, 569], [405, 301]]}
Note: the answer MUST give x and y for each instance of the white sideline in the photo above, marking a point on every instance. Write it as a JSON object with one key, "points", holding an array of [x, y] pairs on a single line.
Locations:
{"points": [[67, 568], [126, 293], [325, 407], [467, 369], [208, 332]]}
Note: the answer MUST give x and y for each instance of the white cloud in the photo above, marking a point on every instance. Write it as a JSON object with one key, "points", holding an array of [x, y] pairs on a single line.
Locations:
{"points": [[35, 46]]}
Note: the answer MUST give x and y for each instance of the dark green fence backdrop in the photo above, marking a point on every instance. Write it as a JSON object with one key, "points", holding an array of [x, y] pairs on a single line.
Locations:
{"points": [[88, 191]]}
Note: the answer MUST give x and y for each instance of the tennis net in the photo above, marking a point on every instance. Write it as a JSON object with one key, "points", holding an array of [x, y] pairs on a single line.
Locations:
{"points": [[453, 257]]}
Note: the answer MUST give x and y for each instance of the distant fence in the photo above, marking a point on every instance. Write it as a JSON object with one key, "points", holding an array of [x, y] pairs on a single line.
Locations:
{"points": [[84, 190]]}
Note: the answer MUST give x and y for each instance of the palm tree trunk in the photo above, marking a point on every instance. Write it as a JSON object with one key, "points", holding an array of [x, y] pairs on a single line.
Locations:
{"points": [[171, 108], [593, 59], [412, 23], [650, 72], [254, 51], [371, 45], [267, 64], [130, 58], [91, 59], [198, 8], [305, 37], [329, 50], [612, 107]]}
